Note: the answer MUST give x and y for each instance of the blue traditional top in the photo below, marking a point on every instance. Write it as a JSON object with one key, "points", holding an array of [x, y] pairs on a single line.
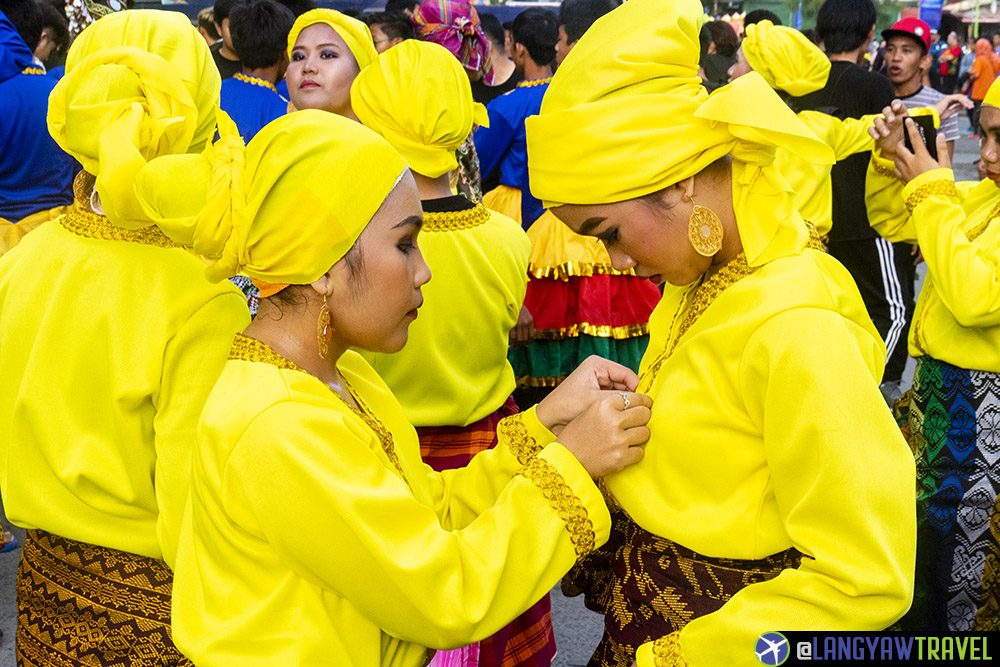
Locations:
{"points": [[35, 174], [252, 103], [503, 143]]}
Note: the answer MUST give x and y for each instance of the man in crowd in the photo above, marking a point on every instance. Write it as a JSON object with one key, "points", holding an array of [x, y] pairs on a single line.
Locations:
{"points": [[389, 29], [882, 270], [259, 30], [575, 17], [907, 56], [223, 52]]}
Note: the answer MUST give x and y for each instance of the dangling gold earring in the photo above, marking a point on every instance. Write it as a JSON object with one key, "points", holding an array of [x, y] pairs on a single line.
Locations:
{"points": [[324, 330], [705, 230]]}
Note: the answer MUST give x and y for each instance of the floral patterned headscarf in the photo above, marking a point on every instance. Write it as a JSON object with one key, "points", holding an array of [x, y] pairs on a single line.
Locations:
{"points": [[454, 24]]}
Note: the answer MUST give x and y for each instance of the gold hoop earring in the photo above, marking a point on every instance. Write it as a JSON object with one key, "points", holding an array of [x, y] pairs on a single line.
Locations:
{"points": [[705, 231], [324, 330]]}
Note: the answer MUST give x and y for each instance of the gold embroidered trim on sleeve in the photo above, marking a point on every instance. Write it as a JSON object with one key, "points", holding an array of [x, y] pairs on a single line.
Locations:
{"points": [[451, 221], [931, 189], [521, 444], [667, 651], [883, 170], [546, 477]]}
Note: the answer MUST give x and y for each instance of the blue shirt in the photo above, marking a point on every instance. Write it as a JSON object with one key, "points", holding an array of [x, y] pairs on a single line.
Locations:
{"points": [[251, 106], [503, 144], [35, 174]]}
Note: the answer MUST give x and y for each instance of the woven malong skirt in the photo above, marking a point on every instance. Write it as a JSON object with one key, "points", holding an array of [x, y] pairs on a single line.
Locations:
{"points": [[954, 430], [81, 604], [529, 640], [647, 586]]}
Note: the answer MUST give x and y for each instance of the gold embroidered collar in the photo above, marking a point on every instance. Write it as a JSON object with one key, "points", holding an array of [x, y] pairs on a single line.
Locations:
{"points": [[245, 348], [91, 225], [451, 221], [705, 295]]}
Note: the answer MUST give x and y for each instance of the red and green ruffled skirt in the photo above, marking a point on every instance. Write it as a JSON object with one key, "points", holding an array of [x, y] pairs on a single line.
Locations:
{"points": [[581, 305]]}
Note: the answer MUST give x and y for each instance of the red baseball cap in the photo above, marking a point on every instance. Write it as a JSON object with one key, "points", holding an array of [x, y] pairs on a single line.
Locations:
{"points": [[911, 27]]}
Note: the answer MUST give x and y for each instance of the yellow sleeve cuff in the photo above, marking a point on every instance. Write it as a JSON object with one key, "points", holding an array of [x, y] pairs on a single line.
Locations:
{"points": [[882, 166], [524, 435], [664, 652], [536, 430], [572, 492], [936, 182]]}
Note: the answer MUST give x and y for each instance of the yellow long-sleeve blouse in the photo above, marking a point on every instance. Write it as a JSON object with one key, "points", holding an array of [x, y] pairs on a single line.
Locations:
{"points": [[768, 431], [110, 341], [317, 536], [957, 318], [454, 369], [811, 182]]}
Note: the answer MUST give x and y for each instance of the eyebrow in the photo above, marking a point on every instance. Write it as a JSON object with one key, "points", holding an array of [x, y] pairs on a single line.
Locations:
{"points": [[318, 46], [589, 224], [417, 220]]}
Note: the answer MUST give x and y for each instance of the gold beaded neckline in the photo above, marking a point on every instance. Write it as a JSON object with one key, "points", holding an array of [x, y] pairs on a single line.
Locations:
{"points": [[245, 348], [94, 226], [534, 82], [705, 293], [255, 81], [450, 221]]}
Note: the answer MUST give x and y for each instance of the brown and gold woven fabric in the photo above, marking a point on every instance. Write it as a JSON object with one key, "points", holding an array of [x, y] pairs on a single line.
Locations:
{"points": [[80, 604], [647, 586], [528, 641]]}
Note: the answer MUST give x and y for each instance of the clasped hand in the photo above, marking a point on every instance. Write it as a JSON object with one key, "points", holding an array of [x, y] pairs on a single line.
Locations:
{"points": [[887, 132], [596, 414]]}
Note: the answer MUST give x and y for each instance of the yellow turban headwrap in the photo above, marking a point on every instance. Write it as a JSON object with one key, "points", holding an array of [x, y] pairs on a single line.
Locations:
{"points": [[418, 97], [785, 58], [138, 85], [626, 116], [993, 94], [283, 209], [355, 34]]}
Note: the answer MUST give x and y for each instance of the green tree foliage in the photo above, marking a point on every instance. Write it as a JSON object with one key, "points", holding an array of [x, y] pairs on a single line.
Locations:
{"points": [[888, 12]]}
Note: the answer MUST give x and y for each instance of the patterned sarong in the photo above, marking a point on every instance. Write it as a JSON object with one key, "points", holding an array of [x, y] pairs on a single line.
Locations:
{"points": [[954, 430], [529, 640], [80, 604], [647, 586]]}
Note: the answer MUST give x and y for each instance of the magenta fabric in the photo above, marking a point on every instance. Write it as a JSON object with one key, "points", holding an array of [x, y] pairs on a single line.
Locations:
{"points": [[454, 24]]}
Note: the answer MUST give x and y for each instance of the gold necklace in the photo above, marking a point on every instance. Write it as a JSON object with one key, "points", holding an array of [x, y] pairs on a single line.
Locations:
{"points": [[705, 293], [246, 348]]}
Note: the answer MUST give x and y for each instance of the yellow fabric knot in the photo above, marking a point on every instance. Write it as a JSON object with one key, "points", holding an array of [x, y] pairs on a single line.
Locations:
{"points": [[785, 58], [139, 85], [626, 116], [418, 97]]}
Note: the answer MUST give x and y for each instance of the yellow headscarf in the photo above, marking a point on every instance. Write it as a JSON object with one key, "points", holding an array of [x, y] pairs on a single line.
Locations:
{"points": [[993, 94], [283, 209], [355, 34], [418, 97], [138, 85], [626, 115], [785, 58]]}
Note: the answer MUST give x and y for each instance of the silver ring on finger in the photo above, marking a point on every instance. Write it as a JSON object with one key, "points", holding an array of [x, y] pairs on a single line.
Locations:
{"points": [[625, 398]]}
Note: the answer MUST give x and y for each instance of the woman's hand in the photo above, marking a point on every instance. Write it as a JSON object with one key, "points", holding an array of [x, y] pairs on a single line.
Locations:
{"points": [[524, 330], [606, 438], [949, 105], [887, 131], [909, 164], [583, 386]]}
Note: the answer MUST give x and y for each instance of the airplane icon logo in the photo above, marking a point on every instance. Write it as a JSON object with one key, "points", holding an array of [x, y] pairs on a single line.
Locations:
{"points": [[772, 649]]}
